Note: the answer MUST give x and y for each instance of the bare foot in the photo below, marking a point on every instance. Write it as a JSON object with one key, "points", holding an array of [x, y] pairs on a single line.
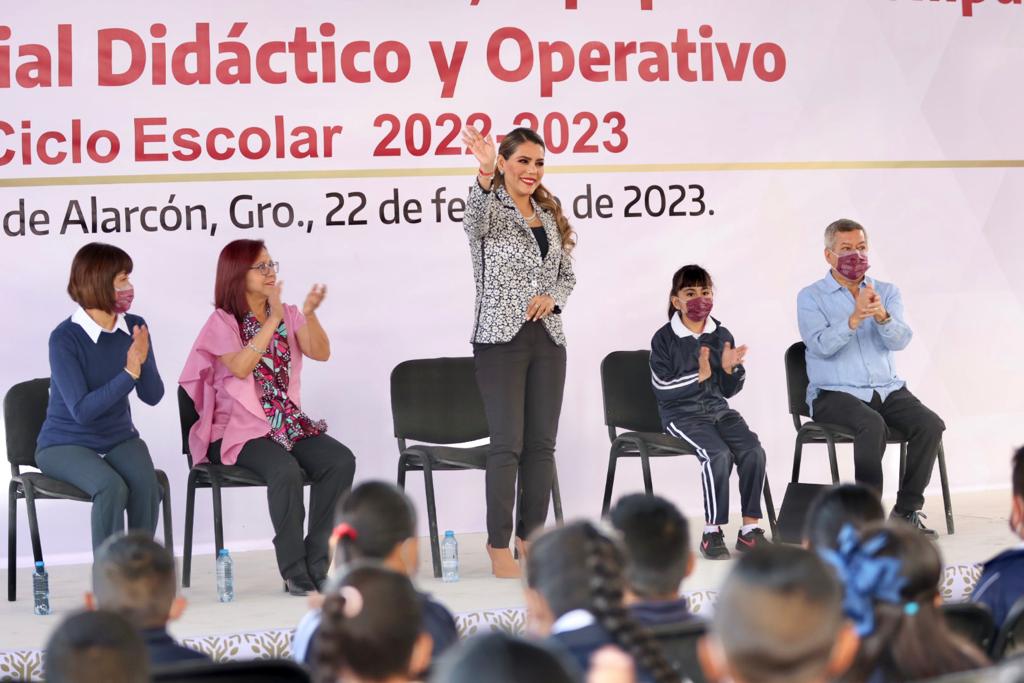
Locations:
{"points": [[503, 565]]}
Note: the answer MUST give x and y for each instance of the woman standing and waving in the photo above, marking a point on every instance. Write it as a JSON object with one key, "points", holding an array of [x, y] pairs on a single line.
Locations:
{"points": [[520, 242]]}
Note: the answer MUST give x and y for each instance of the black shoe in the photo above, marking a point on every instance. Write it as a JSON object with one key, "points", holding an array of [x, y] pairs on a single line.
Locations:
{"points": [[913, 518], [300, 586], [745, 542], [712, 546]]}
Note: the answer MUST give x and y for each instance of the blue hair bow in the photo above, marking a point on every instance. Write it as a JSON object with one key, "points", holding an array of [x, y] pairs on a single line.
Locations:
{"points": [[866, 577]]}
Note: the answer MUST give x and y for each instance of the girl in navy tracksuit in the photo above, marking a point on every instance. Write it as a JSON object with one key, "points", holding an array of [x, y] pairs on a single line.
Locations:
{"points": [[695, 367]]}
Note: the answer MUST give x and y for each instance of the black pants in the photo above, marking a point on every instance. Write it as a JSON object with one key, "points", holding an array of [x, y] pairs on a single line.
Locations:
{"points": [[331, 467], [900, 410], [721, 440], [521, 383]]}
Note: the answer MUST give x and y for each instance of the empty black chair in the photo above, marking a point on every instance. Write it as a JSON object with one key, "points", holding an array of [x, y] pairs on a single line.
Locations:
{"points": [[251, 671], [629, 404], [679, 643], [207, 476], [437, 403], [972, 621], [24, 413], [832, 434], [1010, 638]]}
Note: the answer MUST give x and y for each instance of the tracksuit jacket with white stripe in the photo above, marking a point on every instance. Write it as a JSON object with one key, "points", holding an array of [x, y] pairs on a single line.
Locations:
{"points": [[698, 413]]}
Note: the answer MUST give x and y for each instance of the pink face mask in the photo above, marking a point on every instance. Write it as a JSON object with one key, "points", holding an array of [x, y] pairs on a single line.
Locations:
{"points": [[699, 308], [852, 266], [123, 300]]}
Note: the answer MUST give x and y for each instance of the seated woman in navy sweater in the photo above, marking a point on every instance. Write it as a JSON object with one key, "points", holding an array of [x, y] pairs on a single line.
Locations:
{"points": [[98, 357]]}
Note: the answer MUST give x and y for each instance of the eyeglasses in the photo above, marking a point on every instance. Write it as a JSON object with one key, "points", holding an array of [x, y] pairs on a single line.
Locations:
{"points": [[267, 268]]}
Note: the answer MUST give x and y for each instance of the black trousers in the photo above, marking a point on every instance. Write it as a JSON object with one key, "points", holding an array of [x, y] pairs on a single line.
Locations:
{"points": [[521, 383], [723, 439], [331, 467], [900, 410]]}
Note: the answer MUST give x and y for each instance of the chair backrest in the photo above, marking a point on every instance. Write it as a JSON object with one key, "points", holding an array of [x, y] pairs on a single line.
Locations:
{"points": [[973, 621], [629, 401], [250, 671], [796, 381], [437, 400], [1010, 639], [187, 417], [679, 643], [25, 407]]}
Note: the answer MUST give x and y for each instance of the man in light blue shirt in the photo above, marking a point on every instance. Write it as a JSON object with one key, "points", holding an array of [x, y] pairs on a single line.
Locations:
{"points": [[851, 325]]}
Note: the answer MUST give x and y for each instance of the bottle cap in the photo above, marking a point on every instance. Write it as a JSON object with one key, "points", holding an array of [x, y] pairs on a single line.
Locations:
{"points": [[222, 552], [449, 533], [39, 564]]}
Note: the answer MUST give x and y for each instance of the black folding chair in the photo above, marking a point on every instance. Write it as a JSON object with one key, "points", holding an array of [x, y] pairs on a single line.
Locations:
{"points": [[812, 432], [250, 671], [629, 404], [25, 408], [437, 403], [972, 621], [208, 476], [1010, 638], [679, 644]]}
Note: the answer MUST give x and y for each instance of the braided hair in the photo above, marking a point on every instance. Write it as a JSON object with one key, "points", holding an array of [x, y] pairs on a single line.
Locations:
{"points": [[579, 567]]}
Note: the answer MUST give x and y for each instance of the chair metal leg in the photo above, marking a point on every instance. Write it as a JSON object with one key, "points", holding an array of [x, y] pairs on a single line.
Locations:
{"points": [[190, 510], [33, 521], [903, 461], [218, 517], [645, 463], [944, 478], [833, 463], [403, 464], [798, 453], [769, 505], [165, 488], [435, 544], [12, 541], [556, 497], [609, 483]]}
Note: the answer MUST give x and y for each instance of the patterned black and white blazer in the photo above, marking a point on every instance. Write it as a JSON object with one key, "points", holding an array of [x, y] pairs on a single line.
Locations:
{"points": [[508, 268]]}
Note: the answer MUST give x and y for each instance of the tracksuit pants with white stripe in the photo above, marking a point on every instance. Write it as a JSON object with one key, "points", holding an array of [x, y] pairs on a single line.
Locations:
{"points": [[721, 439]]}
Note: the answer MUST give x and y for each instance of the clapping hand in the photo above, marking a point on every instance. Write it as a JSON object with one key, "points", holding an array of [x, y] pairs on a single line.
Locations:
{"points": [[139, 350], [314, 299], [276, 306], [868, 305], [731, 357], [704, 364]]}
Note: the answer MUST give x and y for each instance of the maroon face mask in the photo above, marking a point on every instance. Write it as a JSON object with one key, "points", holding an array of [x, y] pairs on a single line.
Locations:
{"points": [[699, 308], [852, 266], [123, 300]]}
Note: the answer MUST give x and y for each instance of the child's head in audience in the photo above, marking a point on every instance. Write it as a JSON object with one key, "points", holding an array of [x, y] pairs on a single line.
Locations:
{"points": [[657, 542], [370, 629], [1017, 507], [96, 647], [500, 658], [779, 619], [891, 575], [376, 521], [579, 567], [836, 507], [134, 576]]}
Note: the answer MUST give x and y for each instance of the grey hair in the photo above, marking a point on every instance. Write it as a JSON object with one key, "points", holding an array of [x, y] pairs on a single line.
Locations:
{"points": [[841, 225]]}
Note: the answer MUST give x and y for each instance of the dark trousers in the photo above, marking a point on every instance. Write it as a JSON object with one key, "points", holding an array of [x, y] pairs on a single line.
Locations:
{"points": [[722, 439], [331, 468], [521, 383], [900, 410], [122, 480]]}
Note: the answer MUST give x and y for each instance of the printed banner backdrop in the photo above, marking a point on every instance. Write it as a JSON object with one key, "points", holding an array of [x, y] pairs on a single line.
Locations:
{"points": [[720, 133]]}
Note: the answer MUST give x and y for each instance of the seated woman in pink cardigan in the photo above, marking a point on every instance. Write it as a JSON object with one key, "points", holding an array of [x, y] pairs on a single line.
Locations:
{"points": [[244, 374]]}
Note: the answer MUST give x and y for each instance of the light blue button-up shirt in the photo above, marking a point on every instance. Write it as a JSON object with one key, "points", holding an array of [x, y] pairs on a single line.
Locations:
{"points": [[859, 362]]}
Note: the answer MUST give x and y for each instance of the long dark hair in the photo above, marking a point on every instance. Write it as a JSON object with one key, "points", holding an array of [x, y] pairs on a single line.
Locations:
{"points": [[505, 659], [687, 276], [380, 515], [910, 647], [578, 567], [544, 198], [372, 636]]}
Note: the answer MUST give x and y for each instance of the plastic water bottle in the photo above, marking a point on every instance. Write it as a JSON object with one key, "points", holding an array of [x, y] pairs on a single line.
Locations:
{"points": [[225, 576], [41, 589], [449, 558]]}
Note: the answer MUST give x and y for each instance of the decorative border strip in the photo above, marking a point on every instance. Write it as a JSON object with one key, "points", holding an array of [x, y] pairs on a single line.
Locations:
{"points": [[27, 665]]}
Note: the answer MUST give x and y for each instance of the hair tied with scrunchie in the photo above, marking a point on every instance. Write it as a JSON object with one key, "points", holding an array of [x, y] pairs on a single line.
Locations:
{"points": [[353, 601], [345, 530], [866, 577]]}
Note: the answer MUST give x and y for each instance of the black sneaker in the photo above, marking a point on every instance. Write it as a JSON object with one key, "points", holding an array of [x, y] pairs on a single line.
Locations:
{"points": [[712, 546], [913, 518], [745, 542]]}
